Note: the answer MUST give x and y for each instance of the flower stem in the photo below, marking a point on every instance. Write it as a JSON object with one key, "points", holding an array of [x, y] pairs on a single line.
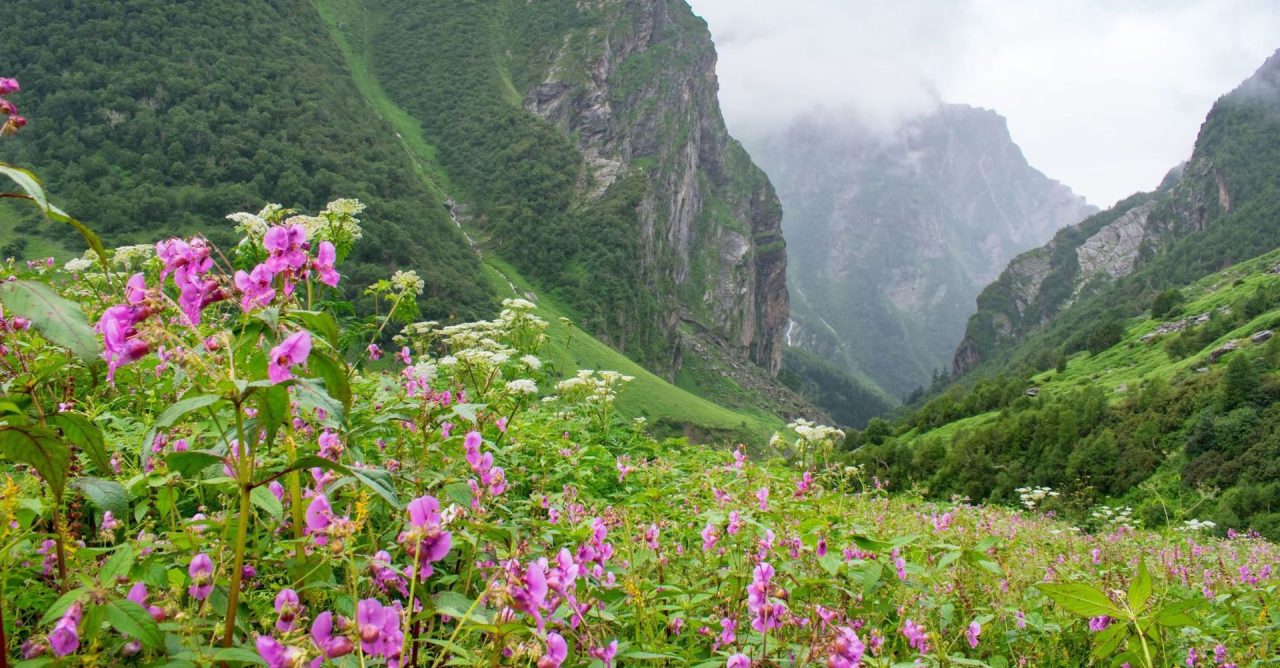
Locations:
{"points": [[244, 461]]}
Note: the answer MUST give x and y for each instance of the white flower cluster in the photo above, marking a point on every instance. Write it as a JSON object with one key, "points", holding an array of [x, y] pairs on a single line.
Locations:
{"points": [[77, 265], [813, 437], [127, 256], [522, 386], [336, 223], [598, 387], [1194, 525], [408, 282], [1031, 497], [1121, 517]]}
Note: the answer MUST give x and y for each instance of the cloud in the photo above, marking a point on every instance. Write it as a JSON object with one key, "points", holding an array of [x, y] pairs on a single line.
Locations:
{"points": [[1103, 96]]}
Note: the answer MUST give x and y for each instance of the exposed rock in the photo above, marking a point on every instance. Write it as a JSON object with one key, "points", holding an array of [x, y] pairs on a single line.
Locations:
{"points": [[1032, 392], [1113, 250], [1225, 348], [642, 97], [1262, 336]]}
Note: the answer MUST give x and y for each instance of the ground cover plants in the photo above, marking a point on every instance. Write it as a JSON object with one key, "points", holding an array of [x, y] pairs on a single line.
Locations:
{"points": [[206, 460]]}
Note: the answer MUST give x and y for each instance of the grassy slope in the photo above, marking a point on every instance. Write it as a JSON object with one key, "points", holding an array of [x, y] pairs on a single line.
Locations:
{"points": [[666, 406], [1130, 363]]}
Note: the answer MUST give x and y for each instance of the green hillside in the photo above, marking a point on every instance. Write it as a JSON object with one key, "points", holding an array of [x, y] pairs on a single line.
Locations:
{"points": [[1177, 417]]}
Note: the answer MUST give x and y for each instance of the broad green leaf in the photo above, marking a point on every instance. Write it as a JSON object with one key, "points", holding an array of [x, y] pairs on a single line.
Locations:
{"points": [[273, 409], [380, 482], [1140, 588], [1081, 599], [104, 495], [467, 411], [334, 375], [35, 192], [456, 605], [118, 565], [1108, 641], [81, 431], [311, 393], [60, 321], [191, 462], [239, 655], [60, 606], [183, 407], [134, 621], [40, 448], [318, 322], [1175, 614], [264, 499]]}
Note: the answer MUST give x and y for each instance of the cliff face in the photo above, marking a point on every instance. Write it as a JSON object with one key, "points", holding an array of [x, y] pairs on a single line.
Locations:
{"points": [[587, 138], [637, 90], [1217, 208], [891, 237]]}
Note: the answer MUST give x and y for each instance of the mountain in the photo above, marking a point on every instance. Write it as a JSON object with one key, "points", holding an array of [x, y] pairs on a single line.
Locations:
{"points": [[892, 235], [1220, 207], [576, 146]]}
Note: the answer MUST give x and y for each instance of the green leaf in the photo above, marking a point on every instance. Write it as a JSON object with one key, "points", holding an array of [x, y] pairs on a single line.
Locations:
{"points": [[831, 562], [104, 495], [380, 482], [1108, 641], [273, 409], [60, 606], [1175, 614], [183, 407], [79, 430], [334, 375], [264, 499], [1140, 588], [191, 462], [134, 621], [467, 411], [311, 393], [35, 192], [456, 605], [117, 566], [238, 655], [40, 448], [60, 321], [319, 322], [1081, 599]]}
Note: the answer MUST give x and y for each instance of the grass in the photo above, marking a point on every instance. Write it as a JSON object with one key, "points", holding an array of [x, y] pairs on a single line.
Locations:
{"points": [[668, 409]]}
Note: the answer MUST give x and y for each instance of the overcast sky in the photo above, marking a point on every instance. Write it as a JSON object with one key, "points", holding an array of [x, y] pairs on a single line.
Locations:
{"points": [[1104, 96]]}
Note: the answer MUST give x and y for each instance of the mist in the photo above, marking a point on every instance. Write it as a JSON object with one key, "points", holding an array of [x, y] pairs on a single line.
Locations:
{"points": [[1105, 97]]}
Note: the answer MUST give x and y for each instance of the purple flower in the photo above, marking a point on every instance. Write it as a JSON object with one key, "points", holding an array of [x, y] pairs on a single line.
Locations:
{"points": [[8, 85], [201, 572], [375, 353], [287, 608], [65, 638], [557, 652], [293, 350], [255, 287], [322, 635], [738, 661], [404, 356], [277, 655], [606, 653], [917, 637], [847, 650], [326, 256], [527, 588], [284, 245], [972, 634], [319, 516], [121, 343], [767, 616], [763, 496], [379, 627], [426, 540], [1099, 623], [330, 445]]}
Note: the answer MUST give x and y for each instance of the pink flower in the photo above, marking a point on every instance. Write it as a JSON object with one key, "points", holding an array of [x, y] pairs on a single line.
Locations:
{"points": [[293, 350], [322, 636], [65, 636], [255, 287], [404, 356], [379, 627], [606, 653], [709, 537], [121, 342], [847, 650], [284, 245], [287, 608], [738, 661], [763, 496], [277, 655], [426, 540], [972, 634], [375, 353], [326, 256], [8, 85], [917, 637], [557, 652], [201, 572]]}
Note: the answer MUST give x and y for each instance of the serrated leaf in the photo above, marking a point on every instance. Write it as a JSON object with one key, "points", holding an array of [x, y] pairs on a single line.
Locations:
{"points": [[1108, 640], [118, 565], [456, 605], [39, 447], [134, 621], [60, 321], [264, 499], [311, 393], [60, 606], [467, 411], [273, 409], [239, 655], [1175, 614], [184, 407], [1140, 588], [319, 322], [334, 375], [104, 494], [191, 462], [81, 431], [1081, 599]]}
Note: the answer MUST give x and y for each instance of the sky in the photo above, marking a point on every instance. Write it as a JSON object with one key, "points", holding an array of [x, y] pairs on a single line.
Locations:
{"points": [[1104, 96]]}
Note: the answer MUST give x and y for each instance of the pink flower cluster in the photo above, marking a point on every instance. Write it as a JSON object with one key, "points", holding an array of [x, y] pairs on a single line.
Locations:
{"points": [[12, 120], [376, 626], [287, 263], [426, 540]]}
